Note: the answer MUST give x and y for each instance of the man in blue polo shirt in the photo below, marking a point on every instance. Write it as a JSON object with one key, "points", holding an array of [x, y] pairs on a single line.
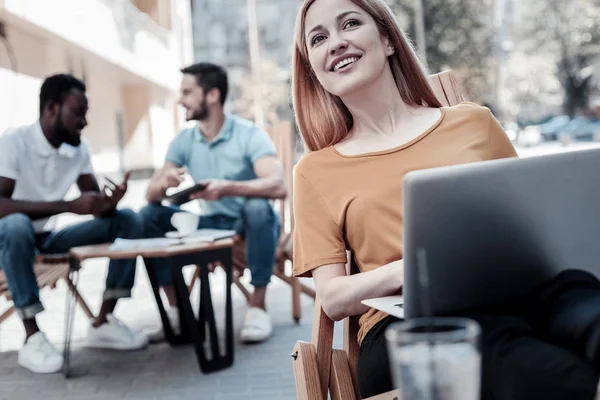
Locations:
{"points": [[238, 162]]}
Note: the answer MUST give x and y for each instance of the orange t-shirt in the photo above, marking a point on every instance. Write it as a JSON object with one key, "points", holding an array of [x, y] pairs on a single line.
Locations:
{"points": [[355, 202]]}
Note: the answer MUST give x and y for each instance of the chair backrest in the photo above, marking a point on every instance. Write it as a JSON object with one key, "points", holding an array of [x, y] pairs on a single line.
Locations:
{"points": [[282, 135], [446, 88]]}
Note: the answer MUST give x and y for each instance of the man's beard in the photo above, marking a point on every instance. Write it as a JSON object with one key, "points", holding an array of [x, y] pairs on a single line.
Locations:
{"points": [[64, 135], [201, 114]]}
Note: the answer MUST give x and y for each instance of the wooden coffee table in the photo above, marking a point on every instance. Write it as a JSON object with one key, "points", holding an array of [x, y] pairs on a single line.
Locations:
{"points": [[192, 330]]}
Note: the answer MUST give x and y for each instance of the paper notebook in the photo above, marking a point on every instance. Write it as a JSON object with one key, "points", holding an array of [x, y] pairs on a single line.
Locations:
{"points": [[173, 239]]}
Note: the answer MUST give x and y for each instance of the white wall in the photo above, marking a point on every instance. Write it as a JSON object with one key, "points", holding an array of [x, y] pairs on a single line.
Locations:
{"points": [[164, 127], [19, 92], [41, 51], [112, 34]]}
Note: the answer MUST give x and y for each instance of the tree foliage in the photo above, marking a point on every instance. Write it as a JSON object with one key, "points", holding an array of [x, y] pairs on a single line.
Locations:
{"points": [[459, 35], [568, 33], [275, 93]]}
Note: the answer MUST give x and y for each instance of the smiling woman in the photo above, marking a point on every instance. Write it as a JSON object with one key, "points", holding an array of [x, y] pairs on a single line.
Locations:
{"points": [[360, 37], [368, 117]]}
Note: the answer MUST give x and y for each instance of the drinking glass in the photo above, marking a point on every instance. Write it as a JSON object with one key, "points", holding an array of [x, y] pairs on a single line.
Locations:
{"points": [[435, 358]]}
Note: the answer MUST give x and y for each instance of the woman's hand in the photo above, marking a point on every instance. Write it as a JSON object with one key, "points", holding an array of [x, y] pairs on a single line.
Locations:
{"points": [[397, 273]]}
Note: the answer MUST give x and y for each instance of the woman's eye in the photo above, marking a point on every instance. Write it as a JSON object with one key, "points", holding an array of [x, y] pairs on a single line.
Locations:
{"points": [[351, 23], [317, 39]]}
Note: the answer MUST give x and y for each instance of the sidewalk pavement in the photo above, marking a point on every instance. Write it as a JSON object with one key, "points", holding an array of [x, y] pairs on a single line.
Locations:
{"points": [[160, 372]]}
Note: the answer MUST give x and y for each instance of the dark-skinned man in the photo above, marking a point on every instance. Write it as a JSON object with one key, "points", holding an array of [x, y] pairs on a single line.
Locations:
{"points": [[38, 165]]}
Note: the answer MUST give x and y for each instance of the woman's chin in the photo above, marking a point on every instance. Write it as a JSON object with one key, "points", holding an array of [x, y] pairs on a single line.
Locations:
{"points": [[349, 89]]}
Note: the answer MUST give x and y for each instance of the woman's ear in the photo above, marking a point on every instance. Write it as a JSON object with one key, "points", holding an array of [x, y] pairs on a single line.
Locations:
{"points": [[389, 47]]}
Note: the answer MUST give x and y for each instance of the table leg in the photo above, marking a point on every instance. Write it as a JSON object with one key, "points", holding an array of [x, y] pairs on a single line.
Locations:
{"points": [[189, 325], [206, 318], [168, 329], [208, 315], [206, 305], [183, 301], [74, 266]]}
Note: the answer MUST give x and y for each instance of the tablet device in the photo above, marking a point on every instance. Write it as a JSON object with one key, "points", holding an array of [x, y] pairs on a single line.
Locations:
{"points": [[183, 196]]}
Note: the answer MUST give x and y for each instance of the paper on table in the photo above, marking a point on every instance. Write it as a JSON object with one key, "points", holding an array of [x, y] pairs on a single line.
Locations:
{"points": [[200, 236], [205, 235], [136, 244]]}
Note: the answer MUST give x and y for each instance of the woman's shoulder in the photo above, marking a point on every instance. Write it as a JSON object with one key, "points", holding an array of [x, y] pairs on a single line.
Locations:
{"points": [[469, 110], [466, 117], [314, 163]]}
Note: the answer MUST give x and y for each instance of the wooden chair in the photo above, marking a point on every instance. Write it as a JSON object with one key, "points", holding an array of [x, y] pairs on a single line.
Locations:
{"points": [[49, 269], [282, 136], [319, 369]]}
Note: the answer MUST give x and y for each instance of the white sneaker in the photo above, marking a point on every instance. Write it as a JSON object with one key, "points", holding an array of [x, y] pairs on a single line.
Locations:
{"points": [[39, 356], [257, 326], [115, 335], [158, 335]]}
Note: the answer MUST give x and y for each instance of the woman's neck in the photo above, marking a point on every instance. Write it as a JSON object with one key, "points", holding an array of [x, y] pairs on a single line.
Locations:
{"points": [[379, 109]]}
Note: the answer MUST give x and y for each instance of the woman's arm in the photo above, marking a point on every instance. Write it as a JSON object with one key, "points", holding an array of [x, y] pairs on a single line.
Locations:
{"points": [[341, 295]]}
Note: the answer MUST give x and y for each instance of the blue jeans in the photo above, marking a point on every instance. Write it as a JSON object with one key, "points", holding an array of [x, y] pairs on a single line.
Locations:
{"points": [[258, 224], [19, 245]]}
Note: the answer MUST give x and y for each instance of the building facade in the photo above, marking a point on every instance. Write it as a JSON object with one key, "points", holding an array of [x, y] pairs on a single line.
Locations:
{"points": [[128, 52]]}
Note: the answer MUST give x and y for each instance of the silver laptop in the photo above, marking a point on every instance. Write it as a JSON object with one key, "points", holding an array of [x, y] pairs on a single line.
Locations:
{"points": [[493, 230]]}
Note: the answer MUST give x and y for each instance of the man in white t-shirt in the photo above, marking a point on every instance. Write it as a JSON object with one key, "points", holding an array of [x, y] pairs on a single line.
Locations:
{"points": [[38, 164]]}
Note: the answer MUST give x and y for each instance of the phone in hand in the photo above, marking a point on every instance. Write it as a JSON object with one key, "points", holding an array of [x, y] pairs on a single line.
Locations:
{"points": [[183, 196]]}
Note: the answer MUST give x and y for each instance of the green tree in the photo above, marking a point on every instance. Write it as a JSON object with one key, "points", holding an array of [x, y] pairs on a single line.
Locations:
{"points": [[275, 93], [459, 35], [568, 32]]}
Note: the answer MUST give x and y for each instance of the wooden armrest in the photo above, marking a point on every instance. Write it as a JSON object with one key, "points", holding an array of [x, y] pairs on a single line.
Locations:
{"points": [[52, 258], [322, 339], [47, 274], [308, 382]]}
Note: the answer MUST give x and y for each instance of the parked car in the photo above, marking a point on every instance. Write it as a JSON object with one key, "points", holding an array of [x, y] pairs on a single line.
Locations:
{"points": [[550, 129], [543, 132], [580, 129]]}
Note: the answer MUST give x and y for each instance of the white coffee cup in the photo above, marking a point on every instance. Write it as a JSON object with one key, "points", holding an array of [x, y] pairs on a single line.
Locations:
{"points": [[185, 223]]}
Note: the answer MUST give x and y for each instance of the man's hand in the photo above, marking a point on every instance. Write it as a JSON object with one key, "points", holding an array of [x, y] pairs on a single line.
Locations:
{"points": [[215, 189], [89, 203], [115, 193], [171, 177]]}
